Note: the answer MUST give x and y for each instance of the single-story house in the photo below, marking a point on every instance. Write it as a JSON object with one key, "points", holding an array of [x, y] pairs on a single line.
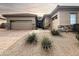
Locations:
{"points": [[46, 21], [23, 21], [63, 17]]}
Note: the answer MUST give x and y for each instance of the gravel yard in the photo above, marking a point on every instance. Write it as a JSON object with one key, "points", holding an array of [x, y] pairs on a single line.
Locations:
{"points": [[65, 45]]}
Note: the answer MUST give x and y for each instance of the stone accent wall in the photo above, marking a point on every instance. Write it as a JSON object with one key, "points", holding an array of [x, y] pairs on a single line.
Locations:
{"points": [[67, 28]]}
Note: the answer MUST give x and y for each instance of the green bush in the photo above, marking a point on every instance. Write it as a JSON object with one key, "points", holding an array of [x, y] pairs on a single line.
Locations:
{"points": [[46, 44], [32, 38], [77, 36], [54, 32]]}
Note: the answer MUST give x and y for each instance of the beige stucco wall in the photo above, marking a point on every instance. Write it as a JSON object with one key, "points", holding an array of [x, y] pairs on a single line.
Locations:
{"points": [[55, 23], [64, 17], [46, 22], [21, 18]]}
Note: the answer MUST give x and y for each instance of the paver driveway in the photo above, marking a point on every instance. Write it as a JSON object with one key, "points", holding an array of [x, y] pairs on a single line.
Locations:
{"points": [[8, 38]]}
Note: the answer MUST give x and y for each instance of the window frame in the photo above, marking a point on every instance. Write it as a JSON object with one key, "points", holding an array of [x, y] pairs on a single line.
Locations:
{"points": [[70, 18]]}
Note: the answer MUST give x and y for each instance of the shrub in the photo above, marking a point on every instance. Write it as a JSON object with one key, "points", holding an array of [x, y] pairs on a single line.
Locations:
{"points": [[55, 32], [77, 36], [46, 44], [32, 38]]}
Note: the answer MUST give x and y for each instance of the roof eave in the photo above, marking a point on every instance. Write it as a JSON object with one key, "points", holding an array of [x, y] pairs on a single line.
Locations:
{"points": [[69, 8], [19, 15]]}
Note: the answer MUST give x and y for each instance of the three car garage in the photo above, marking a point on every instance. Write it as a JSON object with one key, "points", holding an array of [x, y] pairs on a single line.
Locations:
{"points": [[21, 21]]}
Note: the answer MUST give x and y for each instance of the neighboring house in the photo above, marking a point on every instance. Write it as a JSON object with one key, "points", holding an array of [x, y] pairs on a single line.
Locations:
{"points": [[21, 21], [64, 17], [46, 21]]}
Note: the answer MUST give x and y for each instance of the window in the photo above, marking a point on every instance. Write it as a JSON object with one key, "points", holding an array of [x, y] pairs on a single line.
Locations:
{"points": [[73, 18]]}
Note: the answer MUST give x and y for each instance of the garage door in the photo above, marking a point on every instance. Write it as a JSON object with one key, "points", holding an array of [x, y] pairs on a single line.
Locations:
{"points": [[24, 25]]}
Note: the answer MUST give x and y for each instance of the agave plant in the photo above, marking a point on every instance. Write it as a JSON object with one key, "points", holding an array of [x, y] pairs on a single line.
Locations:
{"points": [[32, 38], [46, 44]]}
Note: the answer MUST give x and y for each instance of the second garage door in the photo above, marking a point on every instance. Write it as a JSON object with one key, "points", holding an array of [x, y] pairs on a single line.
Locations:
{"points": [[24, 25]]}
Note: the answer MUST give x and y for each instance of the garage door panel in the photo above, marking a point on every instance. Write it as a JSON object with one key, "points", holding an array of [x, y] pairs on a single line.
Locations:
{"points": [[22, 25]]}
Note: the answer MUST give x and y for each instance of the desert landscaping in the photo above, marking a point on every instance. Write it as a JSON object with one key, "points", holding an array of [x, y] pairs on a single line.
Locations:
{"points": [[64, 45]]}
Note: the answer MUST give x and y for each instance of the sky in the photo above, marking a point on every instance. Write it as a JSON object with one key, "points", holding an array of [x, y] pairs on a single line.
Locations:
{"points": [[36, 8]]}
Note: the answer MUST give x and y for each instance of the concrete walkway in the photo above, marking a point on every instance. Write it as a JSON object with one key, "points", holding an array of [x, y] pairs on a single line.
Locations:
{"points": [[8, 38]]}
